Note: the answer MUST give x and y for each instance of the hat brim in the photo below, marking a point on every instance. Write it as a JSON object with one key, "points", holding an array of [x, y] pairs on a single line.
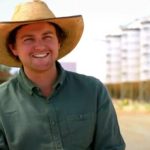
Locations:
{"points": [[72, 26]]}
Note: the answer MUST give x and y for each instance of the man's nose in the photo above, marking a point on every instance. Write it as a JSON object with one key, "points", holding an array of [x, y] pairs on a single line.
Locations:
{"points": [[39, 45]]}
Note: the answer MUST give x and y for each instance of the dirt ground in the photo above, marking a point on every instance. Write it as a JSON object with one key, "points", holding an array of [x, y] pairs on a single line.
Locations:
{"points": [[135, 128]]}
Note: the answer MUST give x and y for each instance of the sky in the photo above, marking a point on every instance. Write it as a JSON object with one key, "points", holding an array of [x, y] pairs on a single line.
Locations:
{"points": [[101, 17]]}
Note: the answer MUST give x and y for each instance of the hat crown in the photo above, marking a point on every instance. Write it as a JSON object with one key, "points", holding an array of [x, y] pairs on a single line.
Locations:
{"points": [[32, 10], [35, 11]]}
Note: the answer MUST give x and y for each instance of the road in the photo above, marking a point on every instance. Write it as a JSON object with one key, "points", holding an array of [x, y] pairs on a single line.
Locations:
{"points": [[135, 128]]}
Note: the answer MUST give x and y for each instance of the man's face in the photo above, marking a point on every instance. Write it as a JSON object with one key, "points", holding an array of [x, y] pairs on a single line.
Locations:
{"points": [[37, 46]]}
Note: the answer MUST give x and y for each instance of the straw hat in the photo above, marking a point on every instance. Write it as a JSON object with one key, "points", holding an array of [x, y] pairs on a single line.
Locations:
{"points": [[37, 11]]}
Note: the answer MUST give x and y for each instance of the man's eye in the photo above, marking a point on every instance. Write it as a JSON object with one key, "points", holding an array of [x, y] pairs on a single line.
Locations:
{"points": [[28, 39], [48, 37]]}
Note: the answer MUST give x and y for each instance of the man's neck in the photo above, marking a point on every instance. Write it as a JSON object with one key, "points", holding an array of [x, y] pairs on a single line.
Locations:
{"points": [[44, 80]]}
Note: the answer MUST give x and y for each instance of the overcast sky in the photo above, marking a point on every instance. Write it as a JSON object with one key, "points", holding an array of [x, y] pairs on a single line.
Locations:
{"points": [[101, 17]]}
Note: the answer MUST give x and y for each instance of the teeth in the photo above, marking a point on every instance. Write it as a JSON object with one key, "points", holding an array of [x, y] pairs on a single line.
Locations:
{"points": [[40, 55]]}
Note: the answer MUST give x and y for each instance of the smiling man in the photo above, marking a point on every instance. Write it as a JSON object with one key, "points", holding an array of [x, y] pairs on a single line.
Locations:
{"points": [[45, 107], [37, 47]]}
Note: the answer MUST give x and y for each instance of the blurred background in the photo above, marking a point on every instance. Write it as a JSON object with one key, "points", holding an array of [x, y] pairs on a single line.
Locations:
{"points": [[115, 48], [115, 44]]}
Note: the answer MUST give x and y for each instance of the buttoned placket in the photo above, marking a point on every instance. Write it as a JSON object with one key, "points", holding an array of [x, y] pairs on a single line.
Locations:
{"points": [[55, 137], [54, 127]]}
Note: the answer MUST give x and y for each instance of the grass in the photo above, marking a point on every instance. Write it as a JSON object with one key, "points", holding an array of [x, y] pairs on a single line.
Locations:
{"points": [[131, 106]]}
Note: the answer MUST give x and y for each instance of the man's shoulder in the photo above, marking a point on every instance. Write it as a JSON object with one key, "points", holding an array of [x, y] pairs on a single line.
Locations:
{"points": [[82, 78], [6, 94], [6, 86]]}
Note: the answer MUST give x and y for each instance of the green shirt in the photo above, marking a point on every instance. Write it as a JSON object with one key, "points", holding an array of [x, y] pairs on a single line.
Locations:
{"points": [[79, 115]]}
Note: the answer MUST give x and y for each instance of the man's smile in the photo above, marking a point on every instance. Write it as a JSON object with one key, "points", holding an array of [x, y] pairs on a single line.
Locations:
{"points": [[40, 55]]}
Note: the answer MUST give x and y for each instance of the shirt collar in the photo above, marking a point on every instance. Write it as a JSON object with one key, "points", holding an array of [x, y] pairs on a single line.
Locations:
{"points": [[25, 82], [61, 76], [29, 86]]}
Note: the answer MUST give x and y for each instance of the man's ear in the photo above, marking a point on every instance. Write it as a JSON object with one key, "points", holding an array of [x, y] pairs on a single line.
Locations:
{"points": [[13, 50], [60, 44]]}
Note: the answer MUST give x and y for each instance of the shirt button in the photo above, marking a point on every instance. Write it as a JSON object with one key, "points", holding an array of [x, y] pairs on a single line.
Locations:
{"points": [[81, 117], [59, 145], [53, 123]]}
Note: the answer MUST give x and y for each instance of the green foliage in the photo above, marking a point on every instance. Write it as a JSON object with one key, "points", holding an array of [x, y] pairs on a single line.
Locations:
{"points": [[4, 68], [130, 105]]}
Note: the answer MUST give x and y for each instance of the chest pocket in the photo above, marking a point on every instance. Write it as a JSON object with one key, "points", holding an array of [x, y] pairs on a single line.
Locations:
{"points": [[79, 129]]}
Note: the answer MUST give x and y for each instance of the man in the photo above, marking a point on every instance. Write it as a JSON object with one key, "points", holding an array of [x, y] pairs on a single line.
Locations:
{"points": [[46, 107]]}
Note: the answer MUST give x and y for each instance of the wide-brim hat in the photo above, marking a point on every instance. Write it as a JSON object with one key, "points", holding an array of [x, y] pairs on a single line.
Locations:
{"points": [[37, 11]]}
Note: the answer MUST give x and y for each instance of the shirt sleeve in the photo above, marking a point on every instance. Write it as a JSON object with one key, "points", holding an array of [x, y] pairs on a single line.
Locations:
{"points": [[107, 133]]}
